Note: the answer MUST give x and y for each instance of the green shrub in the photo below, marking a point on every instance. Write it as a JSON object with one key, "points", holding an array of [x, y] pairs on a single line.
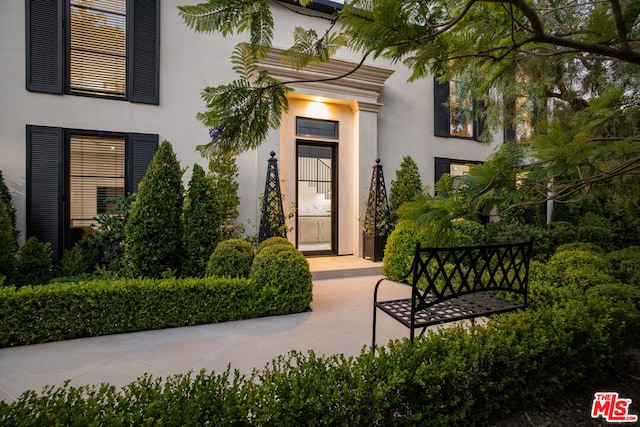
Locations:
{"points": [[34, 265], [561, 233], [231, 258], [283, 279], [61, 311], [202, 224], [405, 187], [510, 232], [223, 171], [595, 229], [8, 232], [580, 246], [626, 264], [109, 234], [580, 268], [81, 258], [153, 242], [452, 376], [401, 245], [275, 240]]}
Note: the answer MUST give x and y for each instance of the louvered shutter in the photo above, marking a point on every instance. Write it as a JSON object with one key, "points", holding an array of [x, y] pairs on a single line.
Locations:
{"points": [[442, 166], [45, 186], [141, 148], [143, 51], [44, 45], [441, 111]]}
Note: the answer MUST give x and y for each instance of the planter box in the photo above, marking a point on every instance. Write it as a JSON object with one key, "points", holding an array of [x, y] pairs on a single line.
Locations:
{"points": [[373, 247]]}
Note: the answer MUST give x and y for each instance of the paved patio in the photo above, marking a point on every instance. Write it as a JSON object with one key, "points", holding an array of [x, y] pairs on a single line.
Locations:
{"points": [[340, 322]]}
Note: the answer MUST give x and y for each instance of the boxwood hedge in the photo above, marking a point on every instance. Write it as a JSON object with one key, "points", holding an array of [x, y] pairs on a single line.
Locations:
{"points": [[35, 314], [453, 376]]}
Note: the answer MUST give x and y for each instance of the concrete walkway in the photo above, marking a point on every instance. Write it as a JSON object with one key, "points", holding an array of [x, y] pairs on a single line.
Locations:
{"points": [[340, 322]]}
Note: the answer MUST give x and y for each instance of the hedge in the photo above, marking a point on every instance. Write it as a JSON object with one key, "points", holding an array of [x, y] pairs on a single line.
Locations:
{"points": [[454, 376], [35, 314]]}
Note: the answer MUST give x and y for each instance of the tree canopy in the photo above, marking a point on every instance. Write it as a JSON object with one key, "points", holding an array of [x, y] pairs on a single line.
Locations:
{"points": [[562, 75]]}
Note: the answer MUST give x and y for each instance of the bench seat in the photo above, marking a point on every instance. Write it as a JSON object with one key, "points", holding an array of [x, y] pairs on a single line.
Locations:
{"points": [[459, 283]]}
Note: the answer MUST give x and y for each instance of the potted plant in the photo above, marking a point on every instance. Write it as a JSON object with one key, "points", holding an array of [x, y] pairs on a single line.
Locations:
{"points": [[377, 221]]}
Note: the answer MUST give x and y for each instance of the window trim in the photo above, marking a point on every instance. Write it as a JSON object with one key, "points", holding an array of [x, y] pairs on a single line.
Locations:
{"points": [[46, 35], [52, 223], [442, 118]]}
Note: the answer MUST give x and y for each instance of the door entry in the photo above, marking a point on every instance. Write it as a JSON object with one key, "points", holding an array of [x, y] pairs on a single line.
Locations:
{"points": [[316, 205]]}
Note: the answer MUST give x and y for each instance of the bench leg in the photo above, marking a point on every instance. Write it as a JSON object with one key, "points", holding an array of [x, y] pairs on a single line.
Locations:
{"points": [[373, 335]]}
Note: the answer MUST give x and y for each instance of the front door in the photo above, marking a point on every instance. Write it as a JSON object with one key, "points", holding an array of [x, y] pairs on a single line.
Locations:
{"points": [[316, 205]]}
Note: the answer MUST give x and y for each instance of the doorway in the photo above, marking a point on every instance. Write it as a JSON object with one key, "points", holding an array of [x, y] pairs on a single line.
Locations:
{"points": [[316, 228]]}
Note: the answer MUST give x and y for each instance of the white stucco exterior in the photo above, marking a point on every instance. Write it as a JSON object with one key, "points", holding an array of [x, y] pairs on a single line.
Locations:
{"points": [[385, 117]]}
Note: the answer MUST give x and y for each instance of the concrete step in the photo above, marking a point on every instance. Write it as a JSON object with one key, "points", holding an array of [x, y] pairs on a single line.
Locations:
{"points": [[336, 267]]}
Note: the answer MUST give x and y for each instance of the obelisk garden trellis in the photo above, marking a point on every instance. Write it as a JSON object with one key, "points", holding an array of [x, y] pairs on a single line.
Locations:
{"points": [[377, 220], [272, 213]]}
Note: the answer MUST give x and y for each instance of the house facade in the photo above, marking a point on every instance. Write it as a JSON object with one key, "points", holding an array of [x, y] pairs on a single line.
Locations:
{"points": [[90, 87]]}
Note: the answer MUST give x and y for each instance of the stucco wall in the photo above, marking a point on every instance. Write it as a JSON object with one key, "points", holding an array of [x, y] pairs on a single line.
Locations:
{"points": [[190, 62]]}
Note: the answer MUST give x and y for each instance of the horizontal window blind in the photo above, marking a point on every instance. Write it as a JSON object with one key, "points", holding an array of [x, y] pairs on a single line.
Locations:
{"points": [[98, 47], [97, 168]]}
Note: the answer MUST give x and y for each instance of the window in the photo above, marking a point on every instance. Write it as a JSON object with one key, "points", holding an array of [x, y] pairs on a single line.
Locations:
{"points": [[455, 168], [315, 127], [71, 173], [96, 174], [110, 48], [455, 112]]}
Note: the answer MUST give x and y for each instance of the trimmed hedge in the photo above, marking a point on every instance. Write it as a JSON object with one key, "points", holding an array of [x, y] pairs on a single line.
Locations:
{"points": [[450, 377], [62, 311]]}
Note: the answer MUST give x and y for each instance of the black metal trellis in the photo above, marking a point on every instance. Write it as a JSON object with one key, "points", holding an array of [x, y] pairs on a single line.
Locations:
{"points": [[272, 213], [377, 220]]}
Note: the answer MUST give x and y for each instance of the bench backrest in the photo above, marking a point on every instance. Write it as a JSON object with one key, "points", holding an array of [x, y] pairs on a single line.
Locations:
{"points": [[449, 272]]}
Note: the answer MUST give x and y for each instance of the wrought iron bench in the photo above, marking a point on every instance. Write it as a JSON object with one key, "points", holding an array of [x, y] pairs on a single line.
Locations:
{"points": [[450, 284]]}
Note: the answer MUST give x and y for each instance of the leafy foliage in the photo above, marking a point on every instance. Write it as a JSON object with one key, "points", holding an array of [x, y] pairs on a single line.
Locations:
{"points": [[153, 244], [406, 187], [223, 171], [109, 231], [202, 223], [231, 258], [282, 278], [8, 232], [34, 265]]}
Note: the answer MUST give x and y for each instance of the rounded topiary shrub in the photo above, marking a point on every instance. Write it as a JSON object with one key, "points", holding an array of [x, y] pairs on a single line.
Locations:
{"points": [[580, 268], [231, 258], [626, 264], [271, 241], [401, 245], [282, 277]]}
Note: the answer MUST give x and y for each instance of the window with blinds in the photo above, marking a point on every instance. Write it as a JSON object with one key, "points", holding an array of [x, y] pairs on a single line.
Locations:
{"points": [[98, 47], [96, 169]]}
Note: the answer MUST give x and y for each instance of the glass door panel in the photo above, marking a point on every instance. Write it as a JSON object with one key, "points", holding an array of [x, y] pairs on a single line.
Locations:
{"points": [[316, 219]]}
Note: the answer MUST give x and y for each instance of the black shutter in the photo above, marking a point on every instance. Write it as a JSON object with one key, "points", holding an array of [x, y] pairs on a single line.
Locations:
{"points": [[442, 166], [509, 120], [478, 123], [45, 186], [440, 108], [44, 45], [143, 51], [141, 148]]}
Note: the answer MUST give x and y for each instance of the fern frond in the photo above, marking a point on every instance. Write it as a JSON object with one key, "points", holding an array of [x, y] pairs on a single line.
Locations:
{"points": [[244, 61], [309, 47]]}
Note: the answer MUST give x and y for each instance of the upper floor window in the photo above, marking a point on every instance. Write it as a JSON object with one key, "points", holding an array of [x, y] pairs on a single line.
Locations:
{"points": [[455, 111], [97, 48], [105, 48]]}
